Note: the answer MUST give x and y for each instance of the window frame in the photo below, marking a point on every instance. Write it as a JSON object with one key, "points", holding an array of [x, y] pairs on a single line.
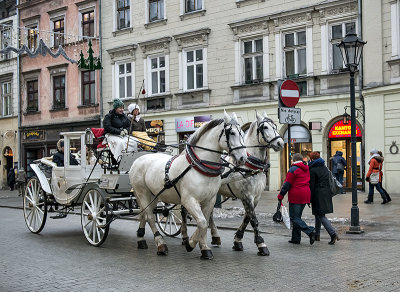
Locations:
{"points": [[194, 2], [195, 63], [60, 32], [5, 96], [148, 14], [83, 83], [2, 41], [295, 49], [253, 55], [34, 28], [90, 22], [125, 75], [35, 100], [333, 42], [54, 89], [158, 70], [127, 11]]}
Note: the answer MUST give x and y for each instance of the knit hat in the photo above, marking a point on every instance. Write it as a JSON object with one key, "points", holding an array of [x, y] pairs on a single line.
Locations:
{"points": [[132, 107], [117, 103], [374, 151]]}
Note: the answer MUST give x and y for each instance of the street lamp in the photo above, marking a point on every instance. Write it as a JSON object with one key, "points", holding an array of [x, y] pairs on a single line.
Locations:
{"points": [[351, 49]]}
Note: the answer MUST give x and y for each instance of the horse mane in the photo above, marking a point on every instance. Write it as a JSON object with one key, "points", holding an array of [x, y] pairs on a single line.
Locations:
{"points": [[194, 138]]}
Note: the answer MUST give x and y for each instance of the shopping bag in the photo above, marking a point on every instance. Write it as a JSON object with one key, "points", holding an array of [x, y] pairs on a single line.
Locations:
{"points": [[285, 217], [374, 178]]}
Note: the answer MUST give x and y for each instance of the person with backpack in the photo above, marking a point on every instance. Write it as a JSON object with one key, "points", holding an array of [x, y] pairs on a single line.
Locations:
{"points": [[338, 166], [321, 196], [297, 185], [374, 177]]}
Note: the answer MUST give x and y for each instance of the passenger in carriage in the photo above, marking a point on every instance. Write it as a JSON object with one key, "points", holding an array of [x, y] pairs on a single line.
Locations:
{"points": [[138, 128], [58, 157], [116, 128]]}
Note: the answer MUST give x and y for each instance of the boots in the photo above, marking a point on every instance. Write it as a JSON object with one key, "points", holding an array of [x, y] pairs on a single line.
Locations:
{"points": [[333, 239]]}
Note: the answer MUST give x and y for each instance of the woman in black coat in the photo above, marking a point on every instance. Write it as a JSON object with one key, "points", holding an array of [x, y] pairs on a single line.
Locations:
{"points": [[11, 178], [321, 198]]}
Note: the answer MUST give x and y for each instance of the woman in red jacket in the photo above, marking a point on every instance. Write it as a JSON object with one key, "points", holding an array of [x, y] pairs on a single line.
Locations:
{"points": [[297, 184], [375, 166]]}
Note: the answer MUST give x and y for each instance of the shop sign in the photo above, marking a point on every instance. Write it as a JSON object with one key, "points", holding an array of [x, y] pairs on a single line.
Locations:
{"points": [[341, 130], [190, 124], [154, 126], [35, 135]]}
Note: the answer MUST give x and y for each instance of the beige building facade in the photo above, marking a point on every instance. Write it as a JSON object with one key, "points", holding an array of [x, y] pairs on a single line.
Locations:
{"points": [[197, 58], [8, 91]]}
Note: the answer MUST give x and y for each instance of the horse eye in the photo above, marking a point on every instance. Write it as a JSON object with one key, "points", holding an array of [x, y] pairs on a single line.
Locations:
{"points": [[232, 133]]}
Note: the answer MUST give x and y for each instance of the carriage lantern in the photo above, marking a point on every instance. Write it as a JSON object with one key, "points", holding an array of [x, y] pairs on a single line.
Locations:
{"points": [[161, 137], [351, 48], [88, 137]]}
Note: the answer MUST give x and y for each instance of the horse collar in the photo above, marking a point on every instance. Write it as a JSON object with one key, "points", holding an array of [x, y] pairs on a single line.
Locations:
{"points": [[200, 166], [256, 163]]}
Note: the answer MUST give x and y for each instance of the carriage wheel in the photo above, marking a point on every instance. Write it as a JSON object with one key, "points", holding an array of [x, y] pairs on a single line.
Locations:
{"points": [[170, 222], [35, 206], [95, 217]]}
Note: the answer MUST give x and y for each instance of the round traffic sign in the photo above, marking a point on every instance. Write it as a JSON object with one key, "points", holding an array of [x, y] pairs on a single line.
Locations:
{"points": [[290, 93]]}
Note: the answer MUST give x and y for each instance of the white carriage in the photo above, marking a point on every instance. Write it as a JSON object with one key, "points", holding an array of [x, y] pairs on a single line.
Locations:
{"points": [[98, 185]]}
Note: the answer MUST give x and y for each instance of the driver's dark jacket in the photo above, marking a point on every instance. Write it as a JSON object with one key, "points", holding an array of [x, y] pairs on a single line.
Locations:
{"points": [[58, 158], [114, 123]]}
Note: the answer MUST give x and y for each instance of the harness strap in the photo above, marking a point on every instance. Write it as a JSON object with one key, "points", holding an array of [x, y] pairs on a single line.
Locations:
{"points": [[230, 189], [203, 168]]}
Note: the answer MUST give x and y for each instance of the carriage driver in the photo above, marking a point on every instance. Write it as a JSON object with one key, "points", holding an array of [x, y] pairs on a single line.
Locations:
{"points": [[139, 128], [116, 127]]}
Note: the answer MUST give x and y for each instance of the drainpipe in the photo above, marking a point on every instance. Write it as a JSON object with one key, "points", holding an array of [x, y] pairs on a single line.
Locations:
{"points": [[19, 96], [361, 86], [101, 70]]}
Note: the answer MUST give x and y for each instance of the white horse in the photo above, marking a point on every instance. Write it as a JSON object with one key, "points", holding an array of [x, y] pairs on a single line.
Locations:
{"points": [[262, 134], [195, 175]]}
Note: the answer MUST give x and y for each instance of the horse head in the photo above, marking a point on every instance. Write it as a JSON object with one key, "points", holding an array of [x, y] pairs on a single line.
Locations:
{"points": [[234, 142], [266, 128]]}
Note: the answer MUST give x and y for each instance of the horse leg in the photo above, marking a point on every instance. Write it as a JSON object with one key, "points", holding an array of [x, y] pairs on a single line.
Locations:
{"points": [[207, 210], [142, 244], [193, 207], [184, 229], [258, 240], [215, 238], [237, 241]]}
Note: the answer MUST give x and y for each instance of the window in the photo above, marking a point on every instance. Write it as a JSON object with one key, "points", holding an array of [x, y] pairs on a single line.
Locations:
{"points": [[59, 92], [124, 80], [295, 53], [58, 32], [6, 98], [32, 96], [88, 23], [123, 14], [5, 40], [32, 38], [157, 71], [253, 61], [193, 5], [88, 87], [338, 32], [194, 69], [156, 10]]}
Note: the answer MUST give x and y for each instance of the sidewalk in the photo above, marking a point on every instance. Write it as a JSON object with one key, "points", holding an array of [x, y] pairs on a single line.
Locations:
{"points": [[378, 221]]}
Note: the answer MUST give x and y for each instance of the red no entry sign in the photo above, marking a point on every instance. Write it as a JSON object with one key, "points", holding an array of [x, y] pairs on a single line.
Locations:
{"points": [[290, 93]]}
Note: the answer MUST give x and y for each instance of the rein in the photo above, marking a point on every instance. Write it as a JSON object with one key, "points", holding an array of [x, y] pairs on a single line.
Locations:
{"points": [[260, 128]]}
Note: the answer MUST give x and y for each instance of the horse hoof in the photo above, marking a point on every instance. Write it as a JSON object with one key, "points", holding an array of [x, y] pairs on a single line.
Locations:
{"points": [[162, 250], [142, 244], [263, 251], [206, 254], [184, 239], [187, 246], [237, 246], [216, 240]]}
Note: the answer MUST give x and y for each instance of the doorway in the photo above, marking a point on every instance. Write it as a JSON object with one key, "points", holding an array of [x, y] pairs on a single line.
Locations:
{"points": [[344, 145]]}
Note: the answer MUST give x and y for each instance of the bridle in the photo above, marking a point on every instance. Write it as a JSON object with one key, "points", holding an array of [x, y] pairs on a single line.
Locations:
{"points": [[260, 129], [227, 130]]}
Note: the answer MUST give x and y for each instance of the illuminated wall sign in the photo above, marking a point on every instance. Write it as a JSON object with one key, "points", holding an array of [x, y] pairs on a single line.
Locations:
{"points": [[190, 124], [340, 130], [154, 126], [33, 135]]}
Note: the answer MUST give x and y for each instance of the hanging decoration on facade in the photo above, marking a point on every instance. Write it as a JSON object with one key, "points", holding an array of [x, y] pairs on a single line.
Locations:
{"points": [[91, 63], [42, 49], [394, 149]]}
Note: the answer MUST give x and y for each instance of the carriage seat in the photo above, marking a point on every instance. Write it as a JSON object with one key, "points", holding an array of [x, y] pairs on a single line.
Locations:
{"points": [[98, 133]]}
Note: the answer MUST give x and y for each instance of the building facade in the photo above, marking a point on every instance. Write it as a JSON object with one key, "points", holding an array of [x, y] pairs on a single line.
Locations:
{"points": [[55, 95], [8, 90], [197, 58]]}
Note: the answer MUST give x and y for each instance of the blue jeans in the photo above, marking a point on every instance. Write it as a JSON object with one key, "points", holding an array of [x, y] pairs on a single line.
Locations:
{"points": [[379, 189], [295, 212], [339, 177], [327, 225]]}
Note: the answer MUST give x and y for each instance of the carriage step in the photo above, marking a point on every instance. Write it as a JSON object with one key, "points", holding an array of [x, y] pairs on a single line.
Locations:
{"points": [[58, 216], [120, 199]]}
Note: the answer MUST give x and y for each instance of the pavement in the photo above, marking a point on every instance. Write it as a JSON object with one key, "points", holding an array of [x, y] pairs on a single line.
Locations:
{"points": [[377, 221]]}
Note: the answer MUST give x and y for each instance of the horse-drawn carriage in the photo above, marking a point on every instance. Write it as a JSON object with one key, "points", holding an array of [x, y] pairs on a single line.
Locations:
{"points": [[143, 183], [98, 185]]}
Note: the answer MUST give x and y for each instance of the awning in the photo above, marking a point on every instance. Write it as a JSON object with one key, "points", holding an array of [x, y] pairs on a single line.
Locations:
{"points": [[298, 134]]}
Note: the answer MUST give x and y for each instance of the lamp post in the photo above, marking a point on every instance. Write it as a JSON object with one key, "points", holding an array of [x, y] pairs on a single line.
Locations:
{"points": [[351, 49]]}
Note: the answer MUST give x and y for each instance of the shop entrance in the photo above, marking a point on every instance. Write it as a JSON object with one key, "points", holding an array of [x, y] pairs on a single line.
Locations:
{"points": [[300, 143], [30, 156], [340, 140]]}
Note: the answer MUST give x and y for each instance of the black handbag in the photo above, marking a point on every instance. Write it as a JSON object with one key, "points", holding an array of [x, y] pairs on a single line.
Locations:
{"points": [[278, 215]]}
